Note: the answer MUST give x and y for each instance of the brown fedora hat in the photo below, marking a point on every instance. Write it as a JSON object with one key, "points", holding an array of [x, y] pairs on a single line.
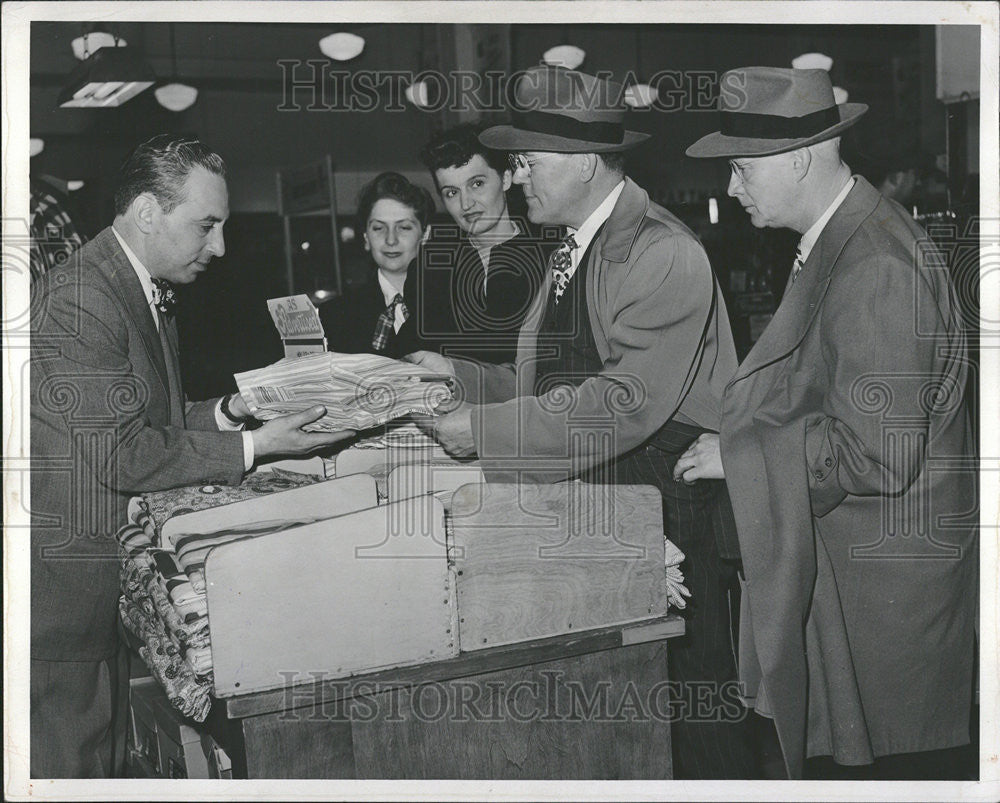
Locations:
{"points": [[768, 110], [564, 111]]}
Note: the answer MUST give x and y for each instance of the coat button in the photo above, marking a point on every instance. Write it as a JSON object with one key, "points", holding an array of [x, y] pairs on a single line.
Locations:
{"points": [[828, 461], [819, 475]]}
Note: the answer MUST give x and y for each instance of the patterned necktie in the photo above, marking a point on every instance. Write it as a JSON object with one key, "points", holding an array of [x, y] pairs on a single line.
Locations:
{"points": [[797, 264], [164, 297], [561, 263], [385, 326]]}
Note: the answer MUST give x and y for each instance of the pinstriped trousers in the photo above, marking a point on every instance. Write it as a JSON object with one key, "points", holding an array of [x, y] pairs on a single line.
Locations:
{"points": [[710, 732]]}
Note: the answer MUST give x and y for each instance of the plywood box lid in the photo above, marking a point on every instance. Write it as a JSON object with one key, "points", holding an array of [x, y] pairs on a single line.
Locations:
{"points": [[535, 561]]}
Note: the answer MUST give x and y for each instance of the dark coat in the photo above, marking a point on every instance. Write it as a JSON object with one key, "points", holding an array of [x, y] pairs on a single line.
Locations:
{"points": [[349, 320], [105, 426], [846, 451], [459, 315]]}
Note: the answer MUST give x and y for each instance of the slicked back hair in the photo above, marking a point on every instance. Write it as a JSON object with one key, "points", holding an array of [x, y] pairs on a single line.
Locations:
{"points": [[160, 166]]}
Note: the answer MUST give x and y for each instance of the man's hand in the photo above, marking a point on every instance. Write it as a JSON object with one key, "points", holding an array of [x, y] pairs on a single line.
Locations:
{"points": [[284, 435], [434, 363], [238, 407], [453, 431], [701, 461]]}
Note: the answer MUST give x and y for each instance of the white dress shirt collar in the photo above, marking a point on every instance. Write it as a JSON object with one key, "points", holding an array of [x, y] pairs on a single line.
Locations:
{"points": [[586, 232], [140, 270], [810, 237], [389, 292]]}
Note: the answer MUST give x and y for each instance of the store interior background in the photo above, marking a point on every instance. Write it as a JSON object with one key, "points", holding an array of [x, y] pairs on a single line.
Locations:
{"points": [[923, 100]]}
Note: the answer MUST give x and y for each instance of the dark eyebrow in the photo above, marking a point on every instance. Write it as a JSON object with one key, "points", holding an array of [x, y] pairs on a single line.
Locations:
{"points": [[211, 218]]}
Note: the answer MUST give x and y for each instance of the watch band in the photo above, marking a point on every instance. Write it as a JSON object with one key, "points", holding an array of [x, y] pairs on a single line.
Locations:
{"points": [[227, 412]]}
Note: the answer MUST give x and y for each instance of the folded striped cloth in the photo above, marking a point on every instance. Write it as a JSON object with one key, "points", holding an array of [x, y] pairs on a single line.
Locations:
{"points": [[190, 551]]}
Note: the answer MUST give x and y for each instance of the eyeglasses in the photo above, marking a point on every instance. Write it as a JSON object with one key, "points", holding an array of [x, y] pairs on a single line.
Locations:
{"points": [[738, 171], [518, 161]]}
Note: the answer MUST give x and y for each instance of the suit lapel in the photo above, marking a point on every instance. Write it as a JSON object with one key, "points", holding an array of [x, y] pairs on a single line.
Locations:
{"points": [[126, 285], [800, 304]]}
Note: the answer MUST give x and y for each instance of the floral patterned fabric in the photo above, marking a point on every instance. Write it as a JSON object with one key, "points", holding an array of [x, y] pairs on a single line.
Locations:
{"points": [[163, 505]]}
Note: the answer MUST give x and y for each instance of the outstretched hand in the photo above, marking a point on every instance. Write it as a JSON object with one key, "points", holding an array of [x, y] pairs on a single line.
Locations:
{"points": [[434, 363], [701, 461], [284, 435], [452, 430]]}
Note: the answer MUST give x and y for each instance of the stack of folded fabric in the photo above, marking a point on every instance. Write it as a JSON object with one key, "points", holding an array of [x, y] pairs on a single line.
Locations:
{"points": [[163, 601], [359, 391], [174, 647]]}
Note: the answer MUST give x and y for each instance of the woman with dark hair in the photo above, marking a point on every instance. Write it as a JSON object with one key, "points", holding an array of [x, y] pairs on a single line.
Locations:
{"points": [[376, 316]]}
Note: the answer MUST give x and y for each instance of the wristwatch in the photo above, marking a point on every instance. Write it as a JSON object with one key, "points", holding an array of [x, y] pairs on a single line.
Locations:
{"points": [[227, 412]]}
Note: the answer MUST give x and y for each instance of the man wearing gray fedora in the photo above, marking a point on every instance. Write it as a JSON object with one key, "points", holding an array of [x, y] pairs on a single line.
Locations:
{"points": [[621, 363], [845, 447]]}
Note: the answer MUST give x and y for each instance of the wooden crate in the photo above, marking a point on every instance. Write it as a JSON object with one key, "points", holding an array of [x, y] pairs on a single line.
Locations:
{"points": [[535, 561], [358, 592]]}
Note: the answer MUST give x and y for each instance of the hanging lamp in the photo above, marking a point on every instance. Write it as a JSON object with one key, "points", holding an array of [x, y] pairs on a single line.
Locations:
{"points": [[175, 96]]}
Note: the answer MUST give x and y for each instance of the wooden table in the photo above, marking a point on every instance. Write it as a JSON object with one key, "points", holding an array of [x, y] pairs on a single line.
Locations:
{"points": [[591, 705]]}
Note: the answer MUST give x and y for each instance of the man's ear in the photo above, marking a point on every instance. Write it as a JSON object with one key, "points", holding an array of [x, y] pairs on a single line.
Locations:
{"points": [[507, 179], [368, 246], [801, 160], [144, 211], [588, 166]]}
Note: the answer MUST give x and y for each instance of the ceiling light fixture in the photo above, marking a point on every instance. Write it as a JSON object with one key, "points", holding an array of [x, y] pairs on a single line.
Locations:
{"points": [[839, 95], [109, 76], [416, 92], [84, 45], [812, 61], [568, 56], [74, 184], [342, 46], [35, 146], [639, 96], [175, 96]]}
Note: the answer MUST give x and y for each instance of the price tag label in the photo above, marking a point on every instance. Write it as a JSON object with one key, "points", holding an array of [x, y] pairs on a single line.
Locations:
{"points": [[297, 321]]}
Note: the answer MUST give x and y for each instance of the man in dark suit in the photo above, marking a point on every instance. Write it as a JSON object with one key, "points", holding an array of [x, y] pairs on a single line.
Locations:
{"points": [[621, 364], [478, 277], [845, 446], [109, 420]]}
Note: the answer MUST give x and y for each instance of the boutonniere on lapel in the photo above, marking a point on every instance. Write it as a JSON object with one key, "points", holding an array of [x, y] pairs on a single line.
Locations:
{"points": [[164, 296]]}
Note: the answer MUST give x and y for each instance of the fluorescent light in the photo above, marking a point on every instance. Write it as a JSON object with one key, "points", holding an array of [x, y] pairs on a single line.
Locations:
{"points": [[568, 56], [342, 46], [36, 146], [839, 95], [109, 77], [812, 61], [640, 96], [74, 185], [713, 210], [176, 97]]}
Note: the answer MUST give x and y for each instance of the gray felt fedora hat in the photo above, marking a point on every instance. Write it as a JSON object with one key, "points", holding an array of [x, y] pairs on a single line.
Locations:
{"points": [[768, 110], [564, 111]]}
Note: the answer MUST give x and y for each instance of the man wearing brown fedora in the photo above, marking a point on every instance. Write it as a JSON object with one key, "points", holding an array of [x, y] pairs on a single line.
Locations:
{"points": [[845, 447], [621, 364]]}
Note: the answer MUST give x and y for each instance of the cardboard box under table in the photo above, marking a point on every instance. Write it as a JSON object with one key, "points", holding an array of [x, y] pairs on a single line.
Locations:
{"points": [[527, 642]]}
